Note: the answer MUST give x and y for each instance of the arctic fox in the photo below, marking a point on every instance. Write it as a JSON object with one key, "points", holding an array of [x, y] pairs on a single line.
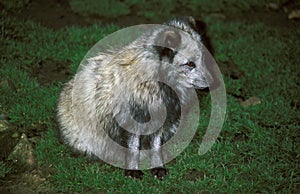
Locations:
{"points": [[93, 107]]}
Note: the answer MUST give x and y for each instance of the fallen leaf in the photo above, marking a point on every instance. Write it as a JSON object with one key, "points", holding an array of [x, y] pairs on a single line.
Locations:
{"points": [[295, 14], [273, 6], [251, 101]]}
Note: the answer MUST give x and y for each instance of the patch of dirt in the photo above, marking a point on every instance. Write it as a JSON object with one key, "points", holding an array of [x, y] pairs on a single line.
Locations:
{"points": [[240, 137], [57, 14], [276, 19], [7, 144], [51, 71], [273, 15], [230, 69], [17, 151], [54, 14], [194, 175], [28, 182]]}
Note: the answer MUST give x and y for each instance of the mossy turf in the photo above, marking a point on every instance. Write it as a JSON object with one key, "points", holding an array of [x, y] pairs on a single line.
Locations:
{"points": [[257, 151]]}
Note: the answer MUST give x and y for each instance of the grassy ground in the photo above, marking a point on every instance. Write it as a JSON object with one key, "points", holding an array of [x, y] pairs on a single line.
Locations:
{"points": [[258, 149]]}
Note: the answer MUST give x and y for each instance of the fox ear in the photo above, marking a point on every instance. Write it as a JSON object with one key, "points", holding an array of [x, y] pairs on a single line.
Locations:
{"points": [[165, 52], [169, 38], [166, 43], [191, 20]]}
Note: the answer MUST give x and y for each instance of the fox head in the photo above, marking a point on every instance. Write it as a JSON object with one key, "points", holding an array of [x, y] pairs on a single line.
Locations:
{"points": [[183, 54]]}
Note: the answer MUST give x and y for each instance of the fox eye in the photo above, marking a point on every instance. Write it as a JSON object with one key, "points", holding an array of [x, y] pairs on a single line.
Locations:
{"points": [[190, 64]]}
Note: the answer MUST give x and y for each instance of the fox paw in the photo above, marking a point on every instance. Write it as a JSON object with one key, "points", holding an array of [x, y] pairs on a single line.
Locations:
{"points": [[159, 172]]}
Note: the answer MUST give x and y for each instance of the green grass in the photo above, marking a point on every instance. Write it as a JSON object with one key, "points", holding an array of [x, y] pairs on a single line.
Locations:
{"points": [[205, 6], [14, 4], [4, 169], [156, 9], [100, 8], [111, 9], [258, 149]]}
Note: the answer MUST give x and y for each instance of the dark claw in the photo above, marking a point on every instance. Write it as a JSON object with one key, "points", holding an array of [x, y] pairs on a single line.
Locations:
{"points": [[137, 174], [159, 172]]}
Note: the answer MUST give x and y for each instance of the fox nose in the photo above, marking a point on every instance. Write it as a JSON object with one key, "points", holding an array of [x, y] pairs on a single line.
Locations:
{"points": [[211, 84]]}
